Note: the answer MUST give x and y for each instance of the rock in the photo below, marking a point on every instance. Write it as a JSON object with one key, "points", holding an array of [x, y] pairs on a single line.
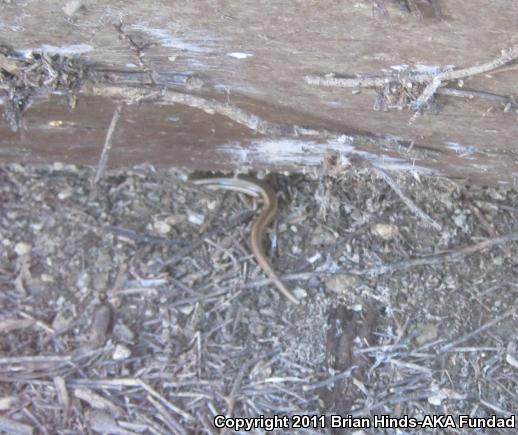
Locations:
{"points": [[341, 283], [460, 220], [437, 395], [162, 227], [46, 277], [436, 398], [195, 218], [64, 194], [385, 231], [300, 293], [22, 248], [121, 352], [175, 219]]}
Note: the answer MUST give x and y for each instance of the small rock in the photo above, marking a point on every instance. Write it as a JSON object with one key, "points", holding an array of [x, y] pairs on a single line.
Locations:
{"points": [[314, 258], [7, 403], [22, 248], [436, 399], [46, 277], [295, 250], [341, 283], [121, 352], [357, 308], [385, 231], [195, 218], [300, 293], [64, 194], [427, 333], [437, 396], [186, 309], [37, 226], [175, 219], [460, 220], [162, 227]]}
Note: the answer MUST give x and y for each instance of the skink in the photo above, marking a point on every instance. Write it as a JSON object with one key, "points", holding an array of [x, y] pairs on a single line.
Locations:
{"points": [[257, 189]]}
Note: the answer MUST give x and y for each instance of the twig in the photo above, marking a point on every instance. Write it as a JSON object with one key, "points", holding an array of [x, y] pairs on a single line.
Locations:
{"points": [[99, 329], [141, 238], [165, 402], [424, 78], [14, 427], [427, 94], [329, 381], [172, 97], [183, 252], [409, 203], [438, 258], [477, 331], [466, 93], [103, 160], [173, 425]]}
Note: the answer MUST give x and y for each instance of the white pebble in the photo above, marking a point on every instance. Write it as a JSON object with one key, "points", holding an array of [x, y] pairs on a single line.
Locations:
{"points": [[121, 352], [196, 218], [22, 248]]}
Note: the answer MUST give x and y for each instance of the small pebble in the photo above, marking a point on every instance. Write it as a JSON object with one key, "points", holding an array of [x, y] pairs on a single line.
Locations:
{"points": [[195, 218], [22, 248], [121, 352], [47, 278], [162, 227], [64, 194], [385, 231], [341, 283], [300, 293]]}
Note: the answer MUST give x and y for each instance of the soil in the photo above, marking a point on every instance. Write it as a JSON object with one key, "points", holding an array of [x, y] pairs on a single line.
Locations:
{"points": [[134, 305]]}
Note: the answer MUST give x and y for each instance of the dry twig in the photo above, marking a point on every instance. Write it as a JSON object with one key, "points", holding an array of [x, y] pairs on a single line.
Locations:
{"points": [[103, 160]]}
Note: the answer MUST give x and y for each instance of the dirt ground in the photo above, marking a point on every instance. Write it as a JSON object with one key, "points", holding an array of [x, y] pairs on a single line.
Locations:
{"points": [[135, 306]]}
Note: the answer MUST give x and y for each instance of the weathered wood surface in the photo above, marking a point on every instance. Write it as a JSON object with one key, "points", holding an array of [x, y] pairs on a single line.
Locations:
{"points": [[253, 57]]}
